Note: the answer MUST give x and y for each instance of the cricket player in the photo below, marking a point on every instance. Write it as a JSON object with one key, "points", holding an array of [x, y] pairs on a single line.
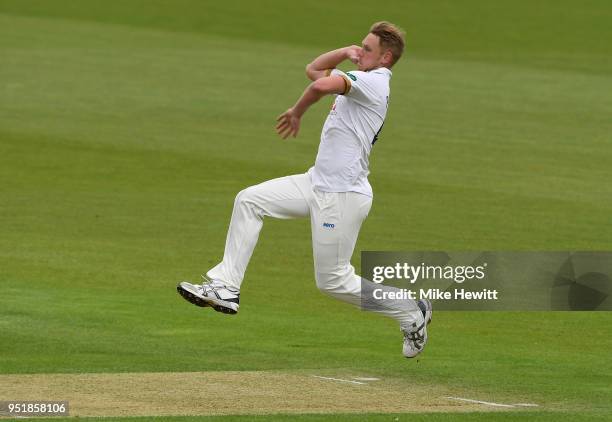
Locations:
{"points": [[334, 193]]}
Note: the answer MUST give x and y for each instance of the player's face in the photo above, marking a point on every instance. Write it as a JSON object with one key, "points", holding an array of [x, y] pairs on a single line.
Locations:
{"points": [[371, 56]]}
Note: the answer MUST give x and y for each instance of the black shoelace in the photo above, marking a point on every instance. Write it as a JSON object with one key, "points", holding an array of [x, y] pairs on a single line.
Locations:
{"points": [[417, 336]]}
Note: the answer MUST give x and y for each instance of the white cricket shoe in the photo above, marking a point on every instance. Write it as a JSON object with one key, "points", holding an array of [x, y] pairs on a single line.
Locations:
{"points": [[215, 294], [415, 335], [426, 309]]}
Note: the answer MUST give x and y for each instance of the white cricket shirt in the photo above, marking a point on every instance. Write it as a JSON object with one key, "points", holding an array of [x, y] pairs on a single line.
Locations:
{"points": [[350, 130]]}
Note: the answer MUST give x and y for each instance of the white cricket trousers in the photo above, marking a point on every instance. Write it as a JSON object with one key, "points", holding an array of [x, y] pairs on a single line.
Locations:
{"points": [[335, 222]]}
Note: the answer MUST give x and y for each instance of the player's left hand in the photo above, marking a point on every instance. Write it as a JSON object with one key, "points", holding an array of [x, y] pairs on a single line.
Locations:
{"points": [[288, 124]]}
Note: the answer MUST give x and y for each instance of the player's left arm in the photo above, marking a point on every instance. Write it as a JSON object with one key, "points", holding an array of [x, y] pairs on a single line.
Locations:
{"points": [[289, 121], [323, 65]]}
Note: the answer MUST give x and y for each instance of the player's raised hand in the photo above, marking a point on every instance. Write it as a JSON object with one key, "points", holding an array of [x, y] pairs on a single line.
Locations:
{"points": [[288, 124], [353, 52]]}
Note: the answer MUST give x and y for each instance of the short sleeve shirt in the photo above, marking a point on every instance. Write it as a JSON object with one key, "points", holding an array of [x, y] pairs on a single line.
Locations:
{"points": [[350, 130]]}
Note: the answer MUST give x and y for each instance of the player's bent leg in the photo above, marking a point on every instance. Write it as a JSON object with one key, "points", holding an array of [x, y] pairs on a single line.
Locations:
{"points": [[278, 198], [336, 220], [285, 197]]}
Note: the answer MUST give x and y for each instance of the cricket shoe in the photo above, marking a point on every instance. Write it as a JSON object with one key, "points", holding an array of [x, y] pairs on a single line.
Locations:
{"points": [[415, 335], [211, 293], [426, 309]]}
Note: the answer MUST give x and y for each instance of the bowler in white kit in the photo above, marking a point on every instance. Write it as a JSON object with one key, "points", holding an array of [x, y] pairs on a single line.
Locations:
{"points": [[334, 193]]}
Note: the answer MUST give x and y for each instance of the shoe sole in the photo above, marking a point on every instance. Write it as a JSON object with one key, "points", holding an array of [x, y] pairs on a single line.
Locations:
{"points": [[217, 305]]}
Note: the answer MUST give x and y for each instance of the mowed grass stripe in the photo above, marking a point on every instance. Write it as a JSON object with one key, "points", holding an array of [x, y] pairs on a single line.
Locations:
{"points": [[510, 33]]}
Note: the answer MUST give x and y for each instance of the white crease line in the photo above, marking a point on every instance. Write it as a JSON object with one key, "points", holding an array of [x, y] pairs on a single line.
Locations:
{"points": [[366, 379], [481, 402], [527, 404], [338, 379]]}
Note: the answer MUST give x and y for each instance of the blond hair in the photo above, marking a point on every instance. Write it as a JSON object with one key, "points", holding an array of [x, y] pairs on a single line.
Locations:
{"points": [[391, 38]]}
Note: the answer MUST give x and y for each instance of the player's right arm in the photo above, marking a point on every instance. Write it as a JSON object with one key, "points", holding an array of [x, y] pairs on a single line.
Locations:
{"points": [[289, 121], [322, 65]]}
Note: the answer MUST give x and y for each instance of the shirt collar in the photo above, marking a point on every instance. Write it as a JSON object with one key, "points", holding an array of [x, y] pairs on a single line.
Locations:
{"points": [[383, 70]]}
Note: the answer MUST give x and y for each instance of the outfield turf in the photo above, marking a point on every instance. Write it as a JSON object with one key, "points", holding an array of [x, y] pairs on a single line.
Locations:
{"points": [[127, 128]]}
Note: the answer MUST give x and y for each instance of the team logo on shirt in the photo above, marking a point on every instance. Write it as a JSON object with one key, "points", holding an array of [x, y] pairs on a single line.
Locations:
{"points": [[350, 75], [333, 111]]}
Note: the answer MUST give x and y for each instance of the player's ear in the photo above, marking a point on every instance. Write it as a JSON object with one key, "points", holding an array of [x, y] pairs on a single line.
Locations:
{"points": [[387, 57]]}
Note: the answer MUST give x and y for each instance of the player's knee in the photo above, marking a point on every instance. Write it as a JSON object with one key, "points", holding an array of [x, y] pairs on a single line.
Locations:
{"points": [[246, 202], [244, 197]]}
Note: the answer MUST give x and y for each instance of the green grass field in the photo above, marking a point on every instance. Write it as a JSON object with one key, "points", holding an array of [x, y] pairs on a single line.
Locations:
{"points": [[127, 128]]}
